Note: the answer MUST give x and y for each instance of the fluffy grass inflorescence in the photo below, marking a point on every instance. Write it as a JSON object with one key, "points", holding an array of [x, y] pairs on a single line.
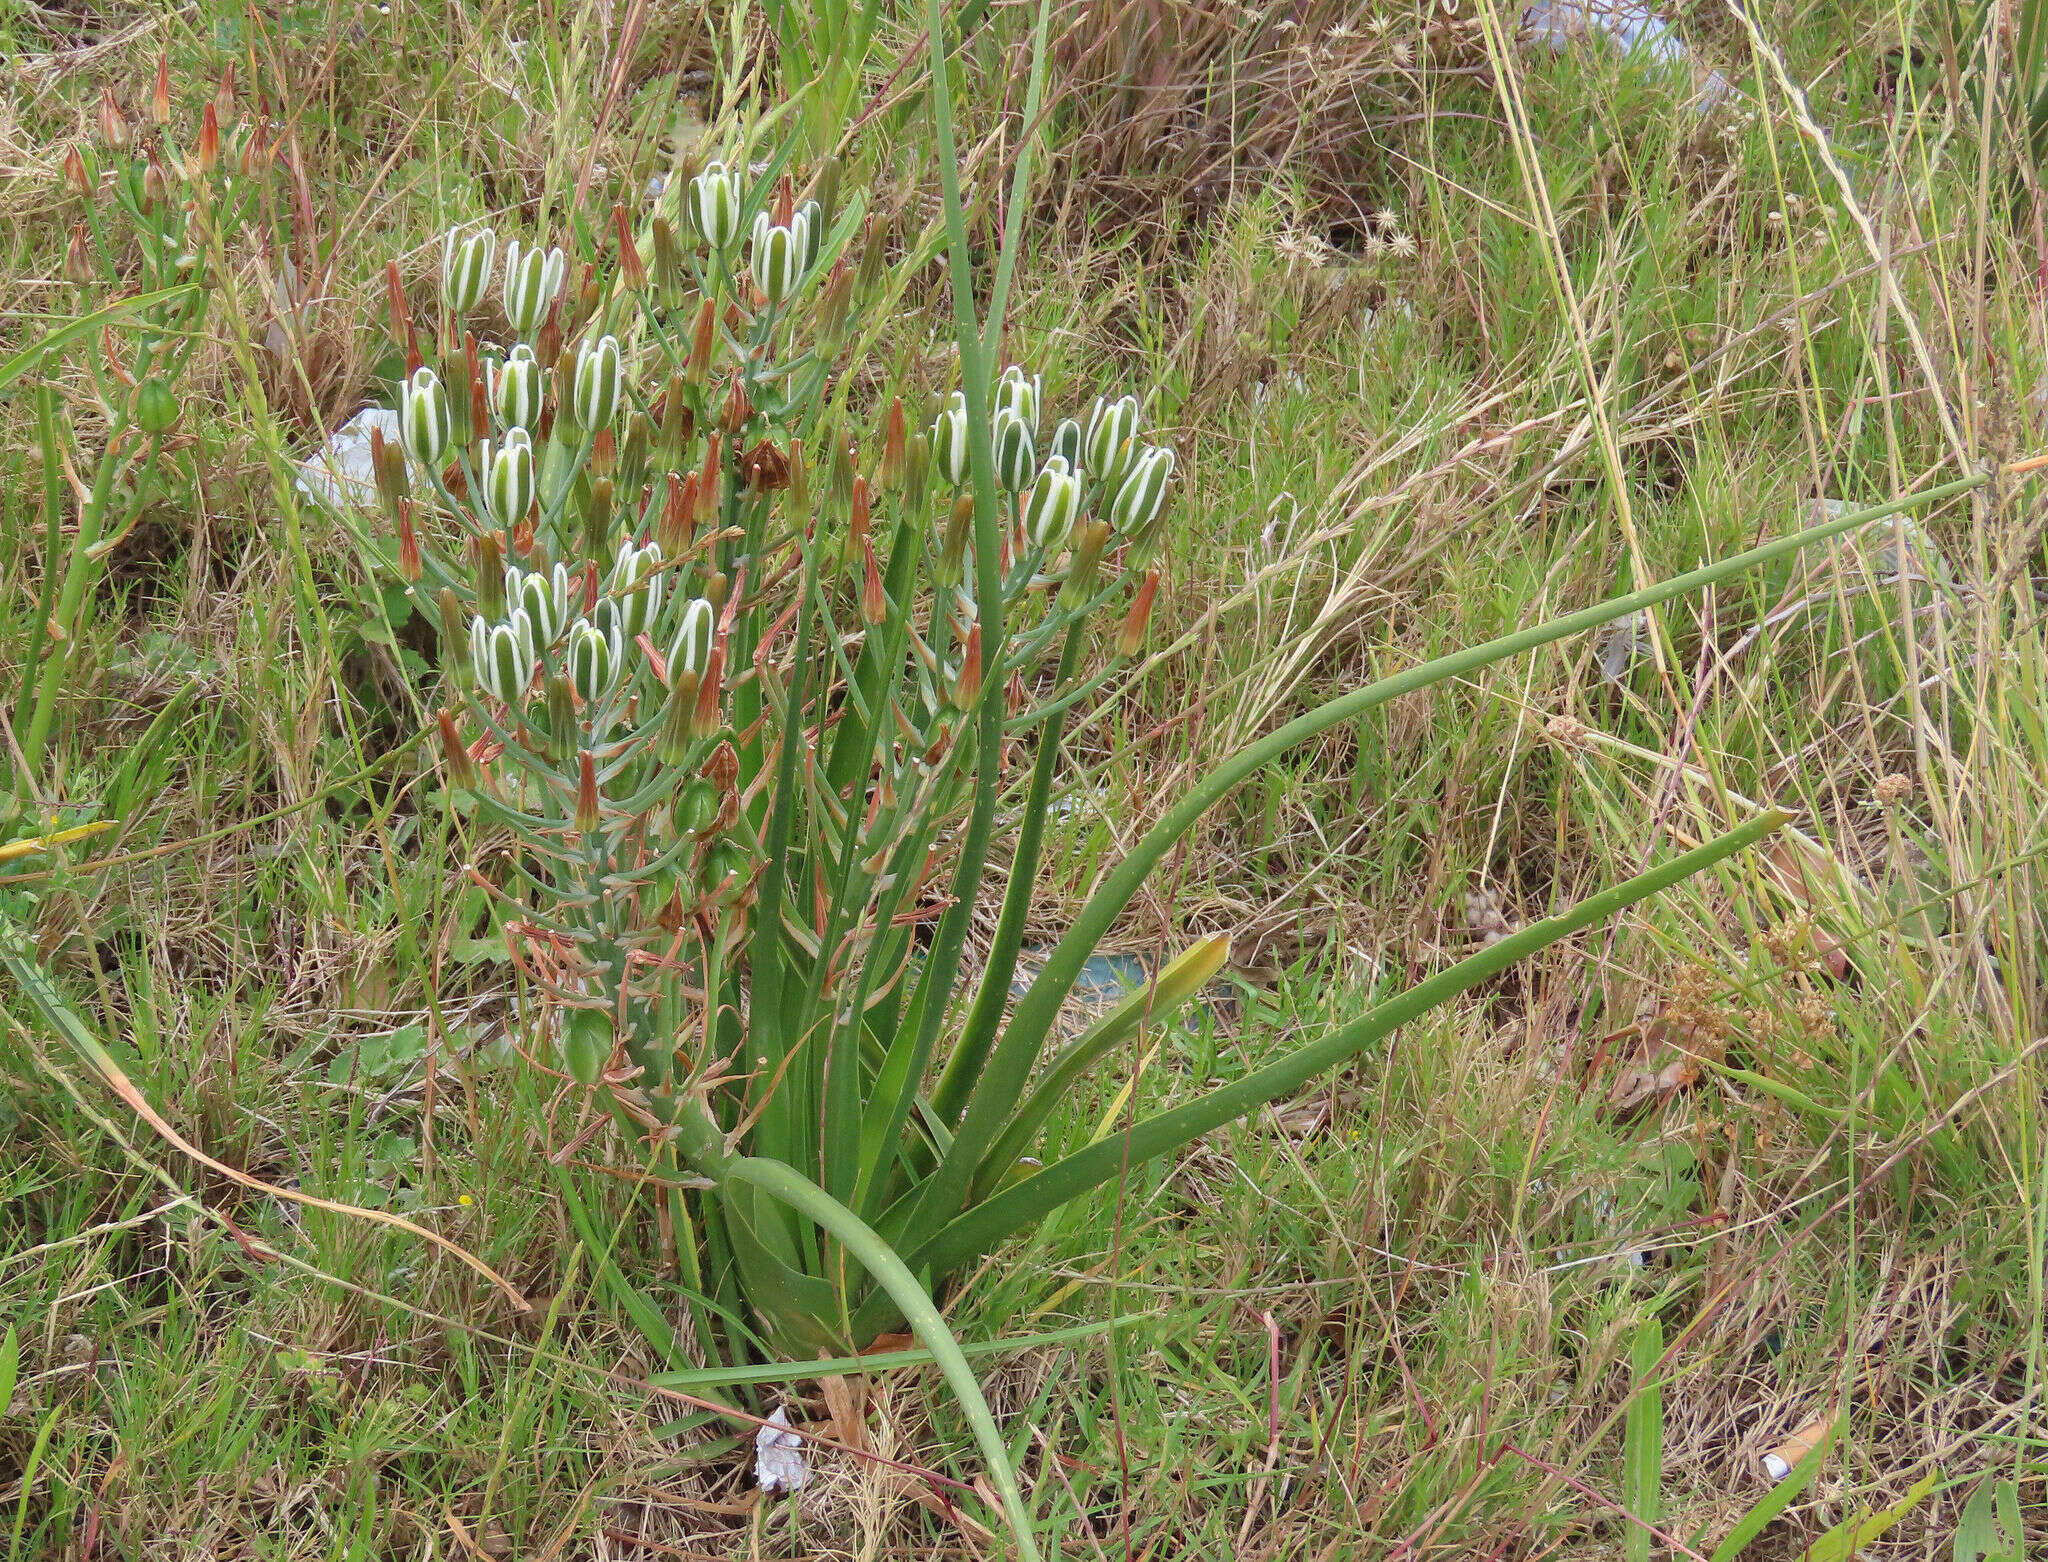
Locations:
{"points": [[1452, 334]]}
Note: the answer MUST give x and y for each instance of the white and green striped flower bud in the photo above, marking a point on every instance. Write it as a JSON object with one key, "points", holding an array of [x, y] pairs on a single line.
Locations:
{"points": [[1016, 460], [637, 584], [466, 261], [503, 657], [1055, 498], [1142, 495], [532, 279], [813, 218], [1111, 427], [1066, 444], [1020, 393], [542, 598], [690, 651], [713, 206], [426, 424], [600, 383], [777, 258], [509, 477], [516, 385], [595, 658], [949, 440]]}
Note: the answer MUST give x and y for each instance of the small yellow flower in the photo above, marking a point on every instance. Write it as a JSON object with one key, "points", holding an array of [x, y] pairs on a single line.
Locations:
{"points": [[464, 1200]]}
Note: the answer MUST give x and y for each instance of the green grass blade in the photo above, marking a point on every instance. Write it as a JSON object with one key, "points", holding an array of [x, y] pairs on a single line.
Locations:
{"points": [[697, 1379], [84, 325], [1847, 1539], [1777, 1499], [981, 1227], [1642, 1441]]}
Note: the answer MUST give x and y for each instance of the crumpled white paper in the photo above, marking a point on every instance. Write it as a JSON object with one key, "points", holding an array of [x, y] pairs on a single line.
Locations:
{"points": [[339, 474], [779, 1456], [1632, 24]]}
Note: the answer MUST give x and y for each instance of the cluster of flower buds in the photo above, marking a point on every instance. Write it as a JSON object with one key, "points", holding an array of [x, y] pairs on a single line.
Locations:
{"points": [[1129, 481]]}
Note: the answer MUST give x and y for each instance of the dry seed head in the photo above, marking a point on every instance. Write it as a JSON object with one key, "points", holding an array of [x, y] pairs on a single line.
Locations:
{"points": [[1894, 789]]}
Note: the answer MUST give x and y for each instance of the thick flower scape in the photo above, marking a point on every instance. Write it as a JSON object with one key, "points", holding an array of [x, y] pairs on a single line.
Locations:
{"points": [[721, 661]]}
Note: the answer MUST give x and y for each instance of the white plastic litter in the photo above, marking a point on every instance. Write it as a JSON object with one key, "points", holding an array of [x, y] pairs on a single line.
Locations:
{"points": [[339, 474], [1632, 24], [779, 1456]]}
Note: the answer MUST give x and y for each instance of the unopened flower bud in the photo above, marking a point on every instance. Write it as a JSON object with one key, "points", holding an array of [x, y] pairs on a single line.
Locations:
{"points": [[874, 602], [515, 386], [738, 409], [835, 300], [543, 599], [409, 566], [78, 178], [1020, 393], [1112, 426], [501, 657], [778, 256], [1016, 460], [712, 205], [588, 819], [461, 768], [387, 467], [454, 642], [1066, 444], [114, 127], [703, 342], [638, 584], [156, 184], [952, 566], [704, 716], [690, 650], [1090, 538], [678, 524], [224, 95], [424, 421], [533, 278], [466, 262], [487, 569], [160, 94], [209, 138], [600, 382], [949, 441], [895, 447], [967, 682], [668, 257], [1131, 638], [1049, 513], [561, 718], [632, 270], [78, 266], [595, 660], [1142, 496], [509, 481]]}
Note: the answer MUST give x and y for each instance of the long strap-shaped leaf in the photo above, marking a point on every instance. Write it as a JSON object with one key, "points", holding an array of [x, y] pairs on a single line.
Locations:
{"points": [[911, 1295], [1001, 1085], [986, 1224]]}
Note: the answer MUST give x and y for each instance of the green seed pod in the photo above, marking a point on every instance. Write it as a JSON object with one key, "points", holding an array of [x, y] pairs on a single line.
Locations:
{"points": [[586, 1044], [725, 868], [633, 454], [156, 406], [696, 806], [488, 570], [917, 466], [454, 639]]}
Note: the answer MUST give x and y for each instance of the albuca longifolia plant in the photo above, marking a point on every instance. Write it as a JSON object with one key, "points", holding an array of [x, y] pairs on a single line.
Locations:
{"points": [[740, 686]]}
